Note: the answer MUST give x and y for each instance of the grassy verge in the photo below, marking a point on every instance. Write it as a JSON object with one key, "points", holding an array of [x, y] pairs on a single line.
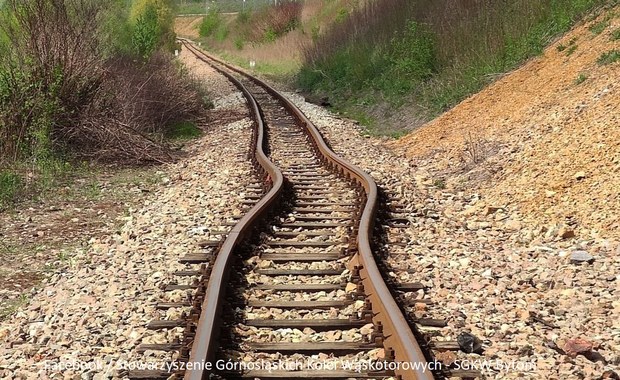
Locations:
{"points": [[431, 55]]}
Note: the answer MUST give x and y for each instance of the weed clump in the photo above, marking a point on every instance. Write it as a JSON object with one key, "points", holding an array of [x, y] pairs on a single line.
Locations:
{"points": [[609, 57], [581, 78]]}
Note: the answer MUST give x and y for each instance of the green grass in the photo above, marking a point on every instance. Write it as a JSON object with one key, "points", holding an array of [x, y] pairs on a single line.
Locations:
{"points": [[200, 6], [183, 131], [10, 185], [581, 78], [615, 35], [433, 64], [609, 57], [599, 27], [283, 71], [571, 50]]}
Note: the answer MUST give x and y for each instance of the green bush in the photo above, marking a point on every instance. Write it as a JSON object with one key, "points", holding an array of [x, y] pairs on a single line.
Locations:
{"points": [[146, 32], [270, 35], [210, 23], [239, 43], [153, 25]]}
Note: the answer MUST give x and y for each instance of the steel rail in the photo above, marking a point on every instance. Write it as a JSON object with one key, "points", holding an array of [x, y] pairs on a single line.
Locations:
{"points": [[207, 329], [397, 331]]}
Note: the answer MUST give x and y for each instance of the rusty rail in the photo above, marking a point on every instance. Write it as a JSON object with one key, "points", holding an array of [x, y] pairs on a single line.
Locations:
{"points": [[399, 336], [207, 332]]}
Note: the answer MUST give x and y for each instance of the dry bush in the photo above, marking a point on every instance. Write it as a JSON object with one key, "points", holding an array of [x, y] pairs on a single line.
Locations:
{"points": [[140, 101], [275, 21], [475, 149], [52, 73], [372, 24], [57, 93]]}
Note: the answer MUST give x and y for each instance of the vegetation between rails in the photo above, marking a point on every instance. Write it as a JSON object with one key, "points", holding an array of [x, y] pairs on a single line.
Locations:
{"points": [[431, 54], [72, 89]]}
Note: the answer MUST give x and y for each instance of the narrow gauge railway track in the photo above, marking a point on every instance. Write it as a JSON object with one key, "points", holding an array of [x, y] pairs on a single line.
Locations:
{"points": [[308, 295]]}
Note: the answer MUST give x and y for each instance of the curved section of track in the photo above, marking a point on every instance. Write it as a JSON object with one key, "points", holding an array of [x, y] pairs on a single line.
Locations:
{"points": [[208, 324], [395, 333]]}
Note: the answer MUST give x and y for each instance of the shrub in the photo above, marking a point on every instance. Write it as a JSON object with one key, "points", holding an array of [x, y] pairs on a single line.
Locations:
{"points": [[44, 90], [60, 92], [146, 32], [210, 23], [153, 22], [275, 21]]}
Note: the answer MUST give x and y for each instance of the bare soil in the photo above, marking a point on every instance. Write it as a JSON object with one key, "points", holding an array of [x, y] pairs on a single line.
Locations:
{"points": [[543, 141]]}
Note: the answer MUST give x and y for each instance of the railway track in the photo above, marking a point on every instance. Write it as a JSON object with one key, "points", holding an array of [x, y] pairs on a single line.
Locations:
{"points": [[294, 290]]}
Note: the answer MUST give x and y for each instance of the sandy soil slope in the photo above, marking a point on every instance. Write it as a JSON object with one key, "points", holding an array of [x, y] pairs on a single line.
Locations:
{"points": [[542, 142]]}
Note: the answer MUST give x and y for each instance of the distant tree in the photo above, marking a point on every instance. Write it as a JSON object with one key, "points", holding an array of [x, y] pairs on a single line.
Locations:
{"points": [[152, 25]]}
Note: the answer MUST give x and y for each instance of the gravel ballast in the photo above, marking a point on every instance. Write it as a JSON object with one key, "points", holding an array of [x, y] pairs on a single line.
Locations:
{"points": [[89, 319], [528, 298], [524, 299]]}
